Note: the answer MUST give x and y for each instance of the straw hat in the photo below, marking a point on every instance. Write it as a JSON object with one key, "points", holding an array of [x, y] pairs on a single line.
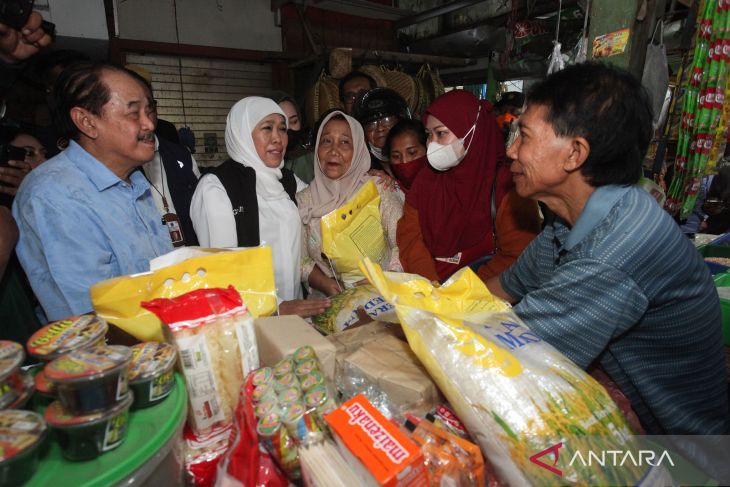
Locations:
{"points": [[322, 96]]}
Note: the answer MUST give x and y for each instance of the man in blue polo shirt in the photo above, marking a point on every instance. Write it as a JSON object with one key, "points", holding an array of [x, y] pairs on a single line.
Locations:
{"points": [[86, 214], [611, 280]]}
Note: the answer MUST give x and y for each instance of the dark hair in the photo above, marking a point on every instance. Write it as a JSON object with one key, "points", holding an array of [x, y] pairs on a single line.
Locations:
{"points": [[352, 75], [291, 100], [79, 85], [134, 74], [609, 108], [412, 125], [45, 62]]}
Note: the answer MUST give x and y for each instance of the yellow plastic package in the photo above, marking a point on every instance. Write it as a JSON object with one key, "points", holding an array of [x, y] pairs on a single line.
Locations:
{"points": [[250, 271], [354, 231], [517, 395]]}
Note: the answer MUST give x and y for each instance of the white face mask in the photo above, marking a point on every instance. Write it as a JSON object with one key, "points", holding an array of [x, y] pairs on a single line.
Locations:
{"points": [[378, 153], [444, 157]]}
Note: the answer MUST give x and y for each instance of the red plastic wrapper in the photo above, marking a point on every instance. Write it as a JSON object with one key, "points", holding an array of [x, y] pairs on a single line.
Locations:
{"points": [[202, 456], [245, 463]]}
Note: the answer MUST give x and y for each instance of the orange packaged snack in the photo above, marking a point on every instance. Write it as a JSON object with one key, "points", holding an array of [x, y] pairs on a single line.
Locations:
{"points": [[450, 460], [374, 447]]}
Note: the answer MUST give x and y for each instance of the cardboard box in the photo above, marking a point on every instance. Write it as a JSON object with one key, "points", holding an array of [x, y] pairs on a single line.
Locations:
{"points": [[378, 452], [278, 336], [390, 363], [352, 339]]}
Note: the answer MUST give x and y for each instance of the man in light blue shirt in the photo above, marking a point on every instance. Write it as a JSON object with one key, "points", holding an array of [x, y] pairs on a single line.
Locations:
{"points": [[87, 215], [611, 281]]}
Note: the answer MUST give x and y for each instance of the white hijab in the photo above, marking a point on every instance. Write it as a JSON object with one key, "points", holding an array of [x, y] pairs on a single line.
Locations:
{"points": [[279, 224], [242, 119]]}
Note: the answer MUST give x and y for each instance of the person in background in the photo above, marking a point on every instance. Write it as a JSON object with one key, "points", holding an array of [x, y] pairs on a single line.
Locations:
{"points": [[507, 110], [46, 69], [250, 199], [462, 210], [611, 280], [12, 174], [86, 215], [299, 157], [378, 110], [35, 152], [351, 86], [341, 169], [173, 175], [406, 147], [17, 46]]}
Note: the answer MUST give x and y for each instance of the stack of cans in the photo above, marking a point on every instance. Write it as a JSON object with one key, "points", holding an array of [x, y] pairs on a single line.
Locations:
{"points": [[290, 401]]}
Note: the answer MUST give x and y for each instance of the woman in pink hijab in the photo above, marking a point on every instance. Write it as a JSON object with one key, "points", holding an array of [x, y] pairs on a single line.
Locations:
{"points": [[341, 164]]}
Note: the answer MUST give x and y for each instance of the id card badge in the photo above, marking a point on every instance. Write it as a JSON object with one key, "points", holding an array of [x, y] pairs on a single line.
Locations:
{"points": [[173, 226]]}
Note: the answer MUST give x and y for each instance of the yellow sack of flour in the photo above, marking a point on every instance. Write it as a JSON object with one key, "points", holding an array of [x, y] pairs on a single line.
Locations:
{"points": [[354, 231], [517, 395], [250, 271]]}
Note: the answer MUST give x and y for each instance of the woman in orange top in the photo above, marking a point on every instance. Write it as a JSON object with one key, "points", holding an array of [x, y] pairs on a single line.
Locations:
{"points": [[462, 209]]}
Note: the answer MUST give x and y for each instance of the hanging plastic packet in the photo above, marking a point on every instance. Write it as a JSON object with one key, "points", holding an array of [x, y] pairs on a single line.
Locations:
{"points": [[213, 332], [656, 73], [352, 232]]}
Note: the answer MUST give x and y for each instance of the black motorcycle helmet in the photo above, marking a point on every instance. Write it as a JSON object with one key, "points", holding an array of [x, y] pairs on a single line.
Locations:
{"points": [[379, 103]]}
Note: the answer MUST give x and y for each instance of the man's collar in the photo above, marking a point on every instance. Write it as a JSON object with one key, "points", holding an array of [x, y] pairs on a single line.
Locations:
{"points": [[597, 207], [98, 173]]}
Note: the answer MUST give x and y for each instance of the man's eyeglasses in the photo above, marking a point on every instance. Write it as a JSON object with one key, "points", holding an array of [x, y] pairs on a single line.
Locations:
{"points": [[385, 122]]}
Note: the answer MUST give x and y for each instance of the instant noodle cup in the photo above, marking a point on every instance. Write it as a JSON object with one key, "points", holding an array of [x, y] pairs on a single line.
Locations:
{"points": [[312, 380], [151, 374], [320, 400], [21, 436], [302, 424], [302, 354], [285, 382], [88, 381], [262, 377], [263, 393], [64, 336], [305, 368], [87, 436], [44, 390], [284, 367], [24, 388], [11, 357], [290, 395]]}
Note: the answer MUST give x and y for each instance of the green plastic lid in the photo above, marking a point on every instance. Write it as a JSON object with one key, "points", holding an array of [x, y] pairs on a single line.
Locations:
{"points": [[314, 379], [264, 407], [149, 431], [287, 381], [306, 368], [290, 395], [262, 376], [11, 356], [294, 413], [151, 359], [304, 353], [268, 425], [64, 336], [88, 364], [284, 367], [315, 396]]}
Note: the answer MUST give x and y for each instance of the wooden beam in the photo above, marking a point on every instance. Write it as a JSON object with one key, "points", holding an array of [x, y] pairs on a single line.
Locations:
{"points": [[173, 49]]}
